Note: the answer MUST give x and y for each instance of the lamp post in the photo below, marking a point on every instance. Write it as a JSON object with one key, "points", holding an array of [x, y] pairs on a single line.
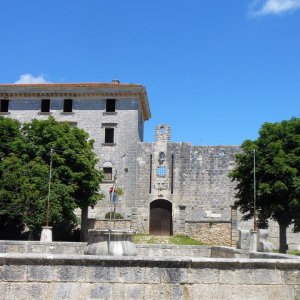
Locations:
{"points": [[110, 209], [254, 191], [49, 187], [46, 234]]}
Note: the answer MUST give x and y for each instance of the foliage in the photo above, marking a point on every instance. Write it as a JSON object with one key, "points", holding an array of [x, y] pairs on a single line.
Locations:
{"points": [[24, 171], [119, 191], [117, 216], [277, 152]]}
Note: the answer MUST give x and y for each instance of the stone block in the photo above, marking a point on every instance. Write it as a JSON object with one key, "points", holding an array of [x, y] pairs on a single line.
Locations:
{"points": [[71, 273], [40, 273], [13, 273], [205, 275], [38, 291], [174, 275], [244, 240], [101, 291], [281, 292], [130, 275], [153, 275], [3, 290], [101, 274], [134, 291], [291, 277], [263, 244], [266, 276], [234, 276], [70, 291]]}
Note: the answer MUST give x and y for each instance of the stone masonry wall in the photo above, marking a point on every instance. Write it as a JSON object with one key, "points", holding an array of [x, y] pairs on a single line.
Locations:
{"points": [[210, 233], [25, 276], [104, 224], [89, 113]]}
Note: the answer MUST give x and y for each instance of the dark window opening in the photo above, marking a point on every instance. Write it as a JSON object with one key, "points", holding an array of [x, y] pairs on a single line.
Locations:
{"points": [[109, 135], [110, 105], [4, 105], [68, 105], [45, 105], [150, 183], [107, 172], [172, 174]]}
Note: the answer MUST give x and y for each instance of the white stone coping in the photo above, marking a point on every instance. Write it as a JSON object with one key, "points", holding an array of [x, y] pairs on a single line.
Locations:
{"points": [[143, 261]]}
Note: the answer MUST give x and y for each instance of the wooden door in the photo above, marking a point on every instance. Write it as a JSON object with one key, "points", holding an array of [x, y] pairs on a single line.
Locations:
{"points": [[160, 217]]}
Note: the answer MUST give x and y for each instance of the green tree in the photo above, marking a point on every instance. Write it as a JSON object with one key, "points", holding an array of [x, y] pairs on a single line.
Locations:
{"points": [[277, 152], [75, 178], [11, 224]]}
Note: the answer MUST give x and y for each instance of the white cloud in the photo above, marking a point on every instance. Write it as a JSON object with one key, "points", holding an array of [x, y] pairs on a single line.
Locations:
{"points": [[273, 7], [29, 78]]}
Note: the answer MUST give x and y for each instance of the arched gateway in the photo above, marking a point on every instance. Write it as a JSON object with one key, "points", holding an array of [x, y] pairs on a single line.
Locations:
{"points": [[160, 217]]}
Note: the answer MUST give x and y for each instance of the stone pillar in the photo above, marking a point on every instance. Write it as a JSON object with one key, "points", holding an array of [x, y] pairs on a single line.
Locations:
{"points": [[46, 234], [234, 231], [253, 241], [181, 220]]}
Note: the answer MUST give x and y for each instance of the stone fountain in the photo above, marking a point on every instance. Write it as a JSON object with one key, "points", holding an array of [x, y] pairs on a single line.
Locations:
{"points": [[116, 242]]}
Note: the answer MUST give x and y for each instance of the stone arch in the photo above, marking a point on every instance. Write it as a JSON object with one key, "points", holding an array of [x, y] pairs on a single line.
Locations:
{"points": [[161, 217]]}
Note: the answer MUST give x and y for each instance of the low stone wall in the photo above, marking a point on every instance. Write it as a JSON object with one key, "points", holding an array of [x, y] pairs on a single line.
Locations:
{"points": [[228, 252], [213, 233], [42, 247], [34, 276], [78, 248], [269, 255], [173, 250]]}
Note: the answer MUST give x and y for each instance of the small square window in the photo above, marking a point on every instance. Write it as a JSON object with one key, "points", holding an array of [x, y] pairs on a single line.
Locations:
{"points": [[107, 172], [110, 105], [4, 105], [68, 105], [109, 135], [161, 171], [45, 105]]}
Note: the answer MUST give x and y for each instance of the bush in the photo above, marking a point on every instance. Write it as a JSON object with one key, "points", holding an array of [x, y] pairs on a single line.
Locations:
{"points": [[117, 215]]}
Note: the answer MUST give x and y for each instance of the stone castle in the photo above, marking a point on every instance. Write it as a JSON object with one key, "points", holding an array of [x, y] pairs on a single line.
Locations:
{"points": [[169, 188]]}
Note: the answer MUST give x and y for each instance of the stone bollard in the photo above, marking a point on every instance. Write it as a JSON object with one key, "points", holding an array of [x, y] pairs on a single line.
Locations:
{"points": [[244, 240], [46, 234], [253, 241]]}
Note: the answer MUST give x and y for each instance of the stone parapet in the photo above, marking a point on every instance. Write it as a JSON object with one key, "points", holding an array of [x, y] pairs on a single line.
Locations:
{"points": [[162, 250], [29, 276], [42, 247]]}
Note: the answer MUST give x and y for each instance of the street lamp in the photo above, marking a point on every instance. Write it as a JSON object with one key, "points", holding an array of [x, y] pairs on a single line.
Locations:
{"points": [[254, 191]]}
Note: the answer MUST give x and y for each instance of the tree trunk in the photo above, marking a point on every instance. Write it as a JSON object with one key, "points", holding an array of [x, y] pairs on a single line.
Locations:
{"points": [[84, 224], [282, 238]]}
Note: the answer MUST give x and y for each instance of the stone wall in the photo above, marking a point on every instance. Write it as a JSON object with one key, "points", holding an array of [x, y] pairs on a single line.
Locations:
{"points": [[165, 250], [210, 233], [91, 277], [38, 247], [104, 224]]}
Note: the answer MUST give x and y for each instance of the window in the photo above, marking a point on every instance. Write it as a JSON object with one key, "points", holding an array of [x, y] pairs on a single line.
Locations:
{"points": [[68, 105], [4, 105], [45, 105], [161, 171], [109, 135], [110, 105], [107, 172]]}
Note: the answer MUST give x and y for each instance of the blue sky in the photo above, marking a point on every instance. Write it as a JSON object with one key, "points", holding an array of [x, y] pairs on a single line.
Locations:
{"points": [[215, 71]]}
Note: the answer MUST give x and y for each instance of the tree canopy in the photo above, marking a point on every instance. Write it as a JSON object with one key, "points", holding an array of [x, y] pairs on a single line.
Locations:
{"points": [[277, 153], [25, 153]]}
